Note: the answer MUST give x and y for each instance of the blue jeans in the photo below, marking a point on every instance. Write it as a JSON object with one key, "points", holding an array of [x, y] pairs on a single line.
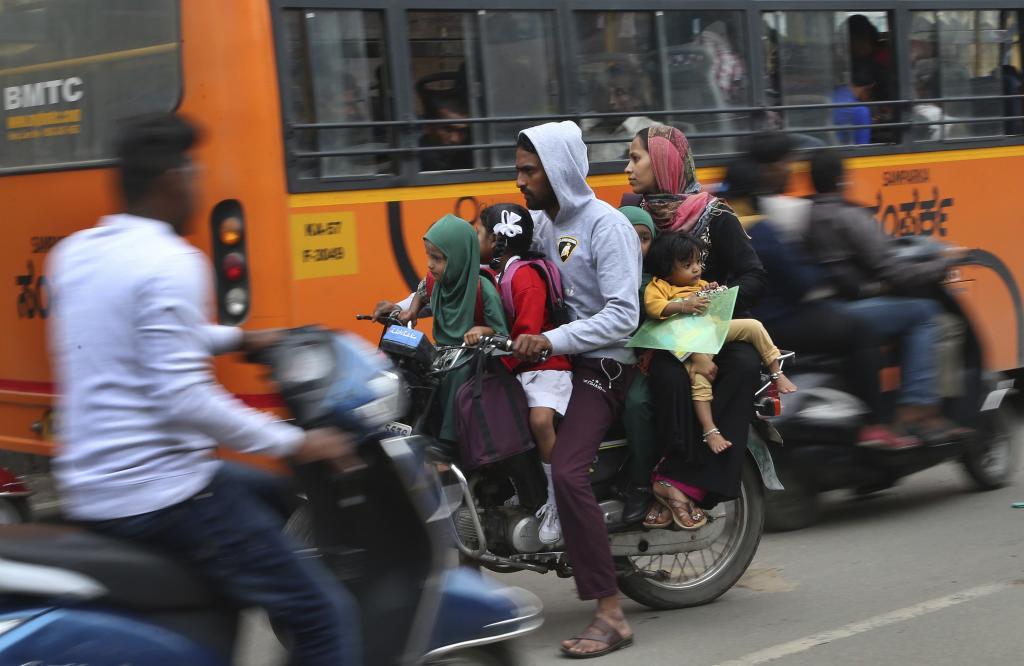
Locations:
{"points": [[913, 321], [228, 535]]}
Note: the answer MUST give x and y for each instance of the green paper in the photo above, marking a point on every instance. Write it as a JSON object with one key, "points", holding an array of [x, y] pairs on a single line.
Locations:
{"points": [[686, 334]]}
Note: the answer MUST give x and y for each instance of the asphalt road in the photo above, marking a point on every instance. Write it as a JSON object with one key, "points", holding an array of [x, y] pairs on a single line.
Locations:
{"points": [[929, 572]]}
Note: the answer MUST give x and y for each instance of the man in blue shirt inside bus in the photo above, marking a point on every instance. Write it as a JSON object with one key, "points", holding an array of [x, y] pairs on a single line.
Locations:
{"points": [[859, 89]]}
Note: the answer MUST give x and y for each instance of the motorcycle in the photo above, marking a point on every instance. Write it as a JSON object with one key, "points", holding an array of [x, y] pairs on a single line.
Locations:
{"points": [[820, 424], [14, 496], [493, 507], [71, 596]]}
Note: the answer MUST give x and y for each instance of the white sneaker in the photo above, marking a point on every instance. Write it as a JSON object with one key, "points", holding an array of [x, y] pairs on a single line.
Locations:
{"points": [[512, 501], [550, 531]]}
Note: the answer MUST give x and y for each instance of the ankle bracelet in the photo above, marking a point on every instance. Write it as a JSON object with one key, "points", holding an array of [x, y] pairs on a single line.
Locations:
{"points": [[709, 433]]}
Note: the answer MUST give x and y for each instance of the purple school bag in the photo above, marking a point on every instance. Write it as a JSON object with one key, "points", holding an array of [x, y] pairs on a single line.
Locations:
{"points": [[491, 415], [558, 312]]}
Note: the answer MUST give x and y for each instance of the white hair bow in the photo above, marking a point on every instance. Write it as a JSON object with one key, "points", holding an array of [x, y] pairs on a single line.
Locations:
{"points": [[508, 227]]}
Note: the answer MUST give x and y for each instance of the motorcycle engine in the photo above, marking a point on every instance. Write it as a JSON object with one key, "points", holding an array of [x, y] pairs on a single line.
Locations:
{"points": [[512, 530]]}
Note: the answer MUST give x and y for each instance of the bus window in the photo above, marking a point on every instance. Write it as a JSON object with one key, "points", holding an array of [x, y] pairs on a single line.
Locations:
{"points": [[823, 58], [635, 62], [338, 76], [965, 53], [479, 64], [69, 69]]}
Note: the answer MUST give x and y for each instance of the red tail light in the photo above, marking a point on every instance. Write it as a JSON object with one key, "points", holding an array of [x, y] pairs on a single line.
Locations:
{"points": [[233, 266]]}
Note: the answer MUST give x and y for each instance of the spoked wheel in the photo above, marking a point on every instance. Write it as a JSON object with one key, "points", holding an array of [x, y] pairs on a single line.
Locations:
{"points": [[991, 459], [692, 578]]}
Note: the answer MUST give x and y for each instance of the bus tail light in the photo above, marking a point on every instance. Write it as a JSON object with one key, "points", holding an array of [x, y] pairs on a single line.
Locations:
{"points": [[227, 225]]}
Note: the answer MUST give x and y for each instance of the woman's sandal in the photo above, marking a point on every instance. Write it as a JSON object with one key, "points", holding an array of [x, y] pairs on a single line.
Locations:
{"points": [[682, 508], [654, 520], [599, 631]]}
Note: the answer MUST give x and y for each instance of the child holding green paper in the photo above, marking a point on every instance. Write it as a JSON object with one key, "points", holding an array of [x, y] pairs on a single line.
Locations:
{"points": [[674, 261]]}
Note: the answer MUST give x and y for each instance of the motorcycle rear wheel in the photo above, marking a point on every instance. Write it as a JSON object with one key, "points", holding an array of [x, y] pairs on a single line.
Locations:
{"points": [[700, 577]]}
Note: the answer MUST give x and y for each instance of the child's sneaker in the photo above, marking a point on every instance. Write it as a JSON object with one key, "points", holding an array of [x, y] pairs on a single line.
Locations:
{"points": [[550, 531]]}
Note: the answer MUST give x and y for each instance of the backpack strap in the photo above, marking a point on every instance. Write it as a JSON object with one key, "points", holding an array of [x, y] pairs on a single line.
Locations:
{"points": [[548, 272]]}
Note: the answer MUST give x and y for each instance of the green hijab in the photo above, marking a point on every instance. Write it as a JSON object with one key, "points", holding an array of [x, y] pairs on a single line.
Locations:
{"points": [[453, 300], [637, 215]]}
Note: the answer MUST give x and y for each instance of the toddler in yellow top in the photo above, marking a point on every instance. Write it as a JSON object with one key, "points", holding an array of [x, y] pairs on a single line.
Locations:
{"points": [[675, 262]]}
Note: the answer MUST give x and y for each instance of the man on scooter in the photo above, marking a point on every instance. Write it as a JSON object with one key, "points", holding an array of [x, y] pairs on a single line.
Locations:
{"points": [[600, 262], [143, 414]]}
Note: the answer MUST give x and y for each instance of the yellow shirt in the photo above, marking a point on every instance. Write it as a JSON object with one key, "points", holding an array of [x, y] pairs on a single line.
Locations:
{"points": [[660, 293]]}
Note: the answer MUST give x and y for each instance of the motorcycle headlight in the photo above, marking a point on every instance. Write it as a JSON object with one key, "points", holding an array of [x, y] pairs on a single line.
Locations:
{"points": [[389, 404]]}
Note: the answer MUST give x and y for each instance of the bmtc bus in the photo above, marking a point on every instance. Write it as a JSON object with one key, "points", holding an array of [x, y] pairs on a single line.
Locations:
{"points": [[336, 131]]}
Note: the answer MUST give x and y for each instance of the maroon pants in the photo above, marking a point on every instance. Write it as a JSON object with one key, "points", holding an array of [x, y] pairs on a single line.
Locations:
{"points": [[598, 393]]}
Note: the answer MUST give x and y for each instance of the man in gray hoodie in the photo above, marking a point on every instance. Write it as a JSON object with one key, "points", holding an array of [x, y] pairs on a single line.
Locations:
{"points": [[598, 253]]}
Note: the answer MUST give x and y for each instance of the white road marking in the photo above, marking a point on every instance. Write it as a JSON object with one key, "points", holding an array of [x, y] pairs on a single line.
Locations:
{"points": [[876, 622]]}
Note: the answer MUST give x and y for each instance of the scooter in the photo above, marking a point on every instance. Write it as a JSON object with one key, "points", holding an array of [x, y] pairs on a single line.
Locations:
{"points": [[70, 596], [494, 506], [14, 499], [821, 421]]}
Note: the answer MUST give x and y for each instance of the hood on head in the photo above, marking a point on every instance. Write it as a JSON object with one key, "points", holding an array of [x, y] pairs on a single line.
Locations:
{"points": [[564, 156]]}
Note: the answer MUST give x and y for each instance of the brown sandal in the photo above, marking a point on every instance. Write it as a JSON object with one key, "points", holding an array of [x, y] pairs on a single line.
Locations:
{"points": [[653, 520], [685, 515], [599, 631]]}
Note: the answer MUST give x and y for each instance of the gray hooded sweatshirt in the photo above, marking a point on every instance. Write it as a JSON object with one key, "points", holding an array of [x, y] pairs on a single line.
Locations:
{"points": [[594, 246]]}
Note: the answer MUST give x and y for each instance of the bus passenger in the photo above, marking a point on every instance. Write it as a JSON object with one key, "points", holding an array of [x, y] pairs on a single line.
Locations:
{"points": [[455, 133], [548, 385], [627, 92], [661, 171], [465, 304], [859, 89], [845, 239], [599, 258]]}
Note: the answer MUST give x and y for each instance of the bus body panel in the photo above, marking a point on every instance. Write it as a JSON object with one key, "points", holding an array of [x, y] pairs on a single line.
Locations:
{"points": [[372, 248]]}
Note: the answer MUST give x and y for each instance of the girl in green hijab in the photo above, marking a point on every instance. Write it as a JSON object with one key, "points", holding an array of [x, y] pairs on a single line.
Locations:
{"points": [[453, 259]]}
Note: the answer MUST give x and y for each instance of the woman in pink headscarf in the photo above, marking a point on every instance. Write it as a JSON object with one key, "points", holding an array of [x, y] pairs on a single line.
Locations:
{"points": [[661, 171]]}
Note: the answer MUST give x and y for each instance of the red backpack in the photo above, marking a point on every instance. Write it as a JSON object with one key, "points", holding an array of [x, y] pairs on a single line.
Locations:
{"points": [[558, 312]]}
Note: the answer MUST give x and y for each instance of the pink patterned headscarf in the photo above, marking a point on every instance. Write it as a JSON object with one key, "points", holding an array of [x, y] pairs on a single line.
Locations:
{"points": [[675, 174]]}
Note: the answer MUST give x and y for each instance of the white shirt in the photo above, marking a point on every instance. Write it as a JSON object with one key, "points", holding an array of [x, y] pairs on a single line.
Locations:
{"points": [[141, 411]]}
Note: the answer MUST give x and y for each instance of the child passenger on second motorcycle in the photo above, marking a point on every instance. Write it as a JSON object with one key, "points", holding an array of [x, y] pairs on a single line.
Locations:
{"points": [[464, 303], [674, 260], [548, 384]]}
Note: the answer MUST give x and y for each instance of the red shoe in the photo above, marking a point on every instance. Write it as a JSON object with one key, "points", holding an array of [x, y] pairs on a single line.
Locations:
{"points": [[882, 438]]}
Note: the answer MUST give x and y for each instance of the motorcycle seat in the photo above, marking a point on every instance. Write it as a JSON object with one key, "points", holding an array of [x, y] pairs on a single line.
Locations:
{"points": [[135, 577]]}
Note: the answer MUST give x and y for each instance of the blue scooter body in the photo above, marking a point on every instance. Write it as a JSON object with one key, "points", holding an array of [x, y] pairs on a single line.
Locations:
{"points": [[473, 610]]}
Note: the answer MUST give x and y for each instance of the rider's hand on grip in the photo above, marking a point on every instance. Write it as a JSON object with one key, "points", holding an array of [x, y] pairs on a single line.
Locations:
{"points": [[330, 445], [383, 309], [531, 347]]}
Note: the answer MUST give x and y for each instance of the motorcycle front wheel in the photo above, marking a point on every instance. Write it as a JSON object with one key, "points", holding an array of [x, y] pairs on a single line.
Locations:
{"points": [[680, 580]]}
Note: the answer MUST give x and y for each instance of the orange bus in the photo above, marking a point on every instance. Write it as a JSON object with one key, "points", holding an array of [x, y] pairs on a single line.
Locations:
{"points": [[336, 131]]}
